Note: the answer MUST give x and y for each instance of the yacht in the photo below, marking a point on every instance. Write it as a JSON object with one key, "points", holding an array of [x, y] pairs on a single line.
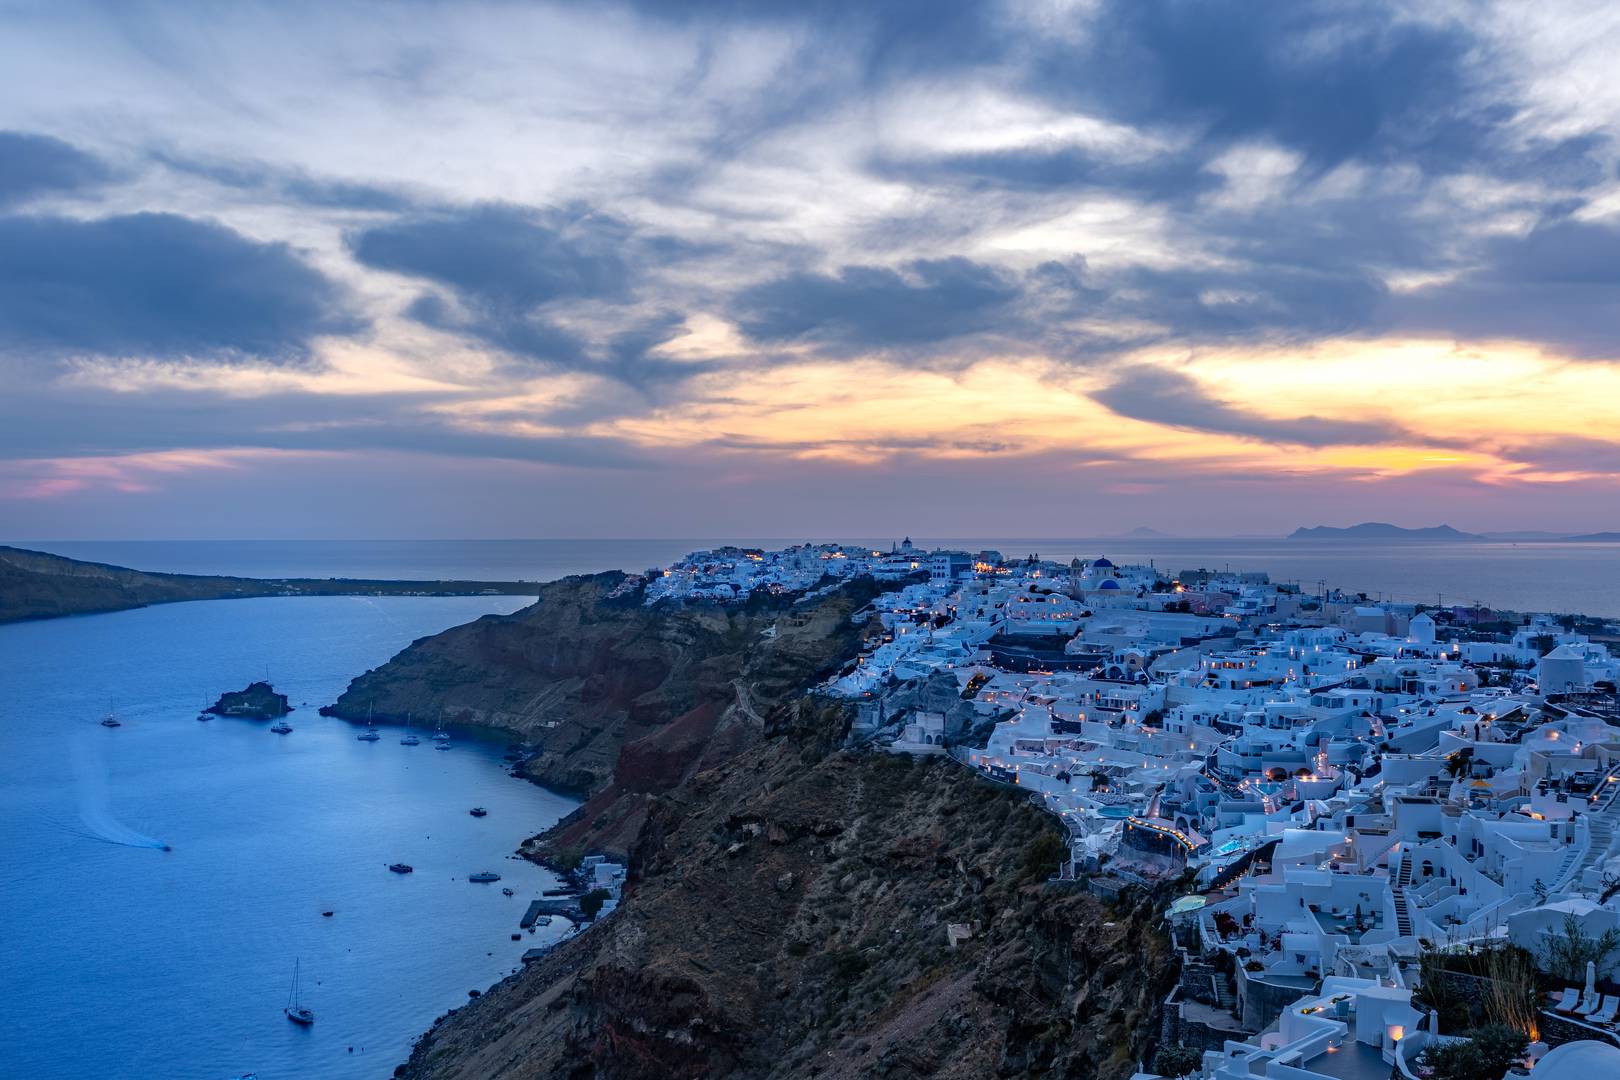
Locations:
{"points": [[297, 1013], [368, 735], [484, 877], [409, 738], [478, 811], [441, 746], [281, 727], [400, 868]]}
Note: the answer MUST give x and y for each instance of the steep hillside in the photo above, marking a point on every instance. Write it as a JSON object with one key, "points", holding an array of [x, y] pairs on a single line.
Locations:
{"points": [[623, 701], [788, 902], [787, 918]]}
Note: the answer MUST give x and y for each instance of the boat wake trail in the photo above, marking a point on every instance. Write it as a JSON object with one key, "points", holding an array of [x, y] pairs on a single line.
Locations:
{"points": [[95, 811]]}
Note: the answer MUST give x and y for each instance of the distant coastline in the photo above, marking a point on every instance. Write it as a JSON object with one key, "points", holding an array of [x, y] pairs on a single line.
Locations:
{"points": [[38, 585], [1383, 531]]}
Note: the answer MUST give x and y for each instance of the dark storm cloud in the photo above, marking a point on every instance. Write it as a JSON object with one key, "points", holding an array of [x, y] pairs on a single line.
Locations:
{"points": [[1160, 396], [1557, 284], [157, 285], [506, 257], [1333, 79], [34, 165], [511, 271], [925, 301]]}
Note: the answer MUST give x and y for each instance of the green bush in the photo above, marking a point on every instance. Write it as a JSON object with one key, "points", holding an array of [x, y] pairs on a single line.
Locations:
{"points": [[1485, 1051], [1175, 1060], [591, 903]]}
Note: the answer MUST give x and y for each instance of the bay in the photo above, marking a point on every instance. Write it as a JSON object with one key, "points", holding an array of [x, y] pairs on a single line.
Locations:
{"points": [[125, 960]]}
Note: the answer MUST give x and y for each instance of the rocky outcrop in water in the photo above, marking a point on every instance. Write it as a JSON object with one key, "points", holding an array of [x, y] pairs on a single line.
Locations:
{"points": [[258, 702]]}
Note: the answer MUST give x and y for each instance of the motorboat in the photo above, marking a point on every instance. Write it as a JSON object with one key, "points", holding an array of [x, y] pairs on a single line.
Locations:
{"points": [[400, 868], [281, 727], [478, 811], [111, 721], [295, 1010], [508, 892], [484, 877], [441, 746], [409, 740]]}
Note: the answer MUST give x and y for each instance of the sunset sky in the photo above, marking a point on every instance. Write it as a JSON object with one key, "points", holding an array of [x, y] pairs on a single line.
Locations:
{"points": [[771, 269]]}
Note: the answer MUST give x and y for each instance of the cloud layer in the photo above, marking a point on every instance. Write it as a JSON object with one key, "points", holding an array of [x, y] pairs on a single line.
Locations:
{"points": [[1145, 247]]}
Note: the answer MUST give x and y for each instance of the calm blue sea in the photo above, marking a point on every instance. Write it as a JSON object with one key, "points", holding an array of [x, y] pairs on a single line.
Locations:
{"points": [[121, 960], [1524, 576]]}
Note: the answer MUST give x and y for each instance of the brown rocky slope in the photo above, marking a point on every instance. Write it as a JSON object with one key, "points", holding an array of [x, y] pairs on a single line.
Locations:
{"points": [[788, 898]]}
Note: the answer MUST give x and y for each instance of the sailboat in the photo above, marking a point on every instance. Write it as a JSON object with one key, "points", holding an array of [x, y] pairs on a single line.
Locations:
{"points": [[370, 734], [409, 738], [111, 720], [297, 1013]]}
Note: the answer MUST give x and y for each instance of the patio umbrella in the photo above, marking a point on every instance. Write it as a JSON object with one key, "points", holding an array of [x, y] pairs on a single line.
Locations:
{"points": [[1591, 978]]}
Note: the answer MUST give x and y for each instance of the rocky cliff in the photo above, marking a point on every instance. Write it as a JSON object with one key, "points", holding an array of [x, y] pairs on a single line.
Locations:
{"points": [[791, 903], [622, 702]]}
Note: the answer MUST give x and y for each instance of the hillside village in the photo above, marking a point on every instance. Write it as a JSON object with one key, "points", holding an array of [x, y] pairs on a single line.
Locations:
{"points": [[1395, 830]]}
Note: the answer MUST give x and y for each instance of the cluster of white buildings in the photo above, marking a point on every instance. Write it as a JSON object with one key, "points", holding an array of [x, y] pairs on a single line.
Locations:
{"points": [[1349, 783]]}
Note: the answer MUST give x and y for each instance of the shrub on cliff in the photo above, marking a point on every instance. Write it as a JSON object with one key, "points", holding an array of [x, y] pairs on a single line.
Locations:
{"points": [[1177, 1060], [591, 903], [1486, 1051], [1043, 854]]}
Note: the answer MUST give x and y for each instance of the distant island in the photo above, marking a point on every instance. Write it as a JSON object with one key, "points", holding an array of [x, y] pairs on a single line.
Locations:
{"points": [[1380, 530], [1142, 532], [38, 585]]}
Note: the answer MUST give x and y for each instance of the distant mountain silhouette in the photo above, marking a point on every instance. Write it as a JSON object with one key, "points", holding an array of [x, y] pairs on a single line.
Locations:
{"points": [[1142, 532], [1594, 538], [1379, 530]]}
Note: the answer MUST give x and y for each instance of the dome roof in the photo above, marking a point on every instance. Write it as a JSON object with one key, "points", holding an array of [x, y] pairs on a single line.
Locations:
{"points": [[1579, 1061], [1109, 584], [1102, 563]]}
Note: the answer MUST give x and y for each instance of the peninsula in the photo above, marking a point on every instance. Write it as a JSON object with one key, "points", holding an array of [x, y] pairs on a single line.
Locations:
{"points": [[38, 585]]}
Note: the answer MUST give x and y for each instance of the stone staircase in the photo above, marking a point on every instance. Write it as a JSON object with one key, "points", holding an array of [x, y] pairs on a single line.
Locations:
{"points": [[1403, 878]]}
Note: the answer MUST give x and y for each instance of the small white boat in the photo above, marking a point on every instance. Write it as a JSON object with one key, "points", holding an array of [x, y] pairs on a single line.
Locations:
{"points": [[484, 877], [441, 746], [111, 721], [410, 740], [368, 735], [281, 727]]}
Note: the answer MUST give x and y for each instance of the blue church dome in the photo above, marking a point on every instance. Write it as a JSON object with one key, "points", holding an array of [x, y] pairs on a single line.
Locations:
{"points": [[1101, 563]]}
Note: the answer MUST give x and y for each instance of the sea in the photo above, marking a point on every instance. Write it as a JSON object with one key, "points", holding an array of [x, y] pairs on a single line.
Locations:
{"points": [[161, 880], [1519, 576]]}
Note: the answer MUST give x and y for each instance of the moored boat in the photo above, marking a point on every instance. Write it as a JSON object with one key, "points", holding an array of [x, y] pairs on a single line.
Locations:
{"points": [[484, 877], [478, 811], [294, 1009], [281, 727], [400, 868]]}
